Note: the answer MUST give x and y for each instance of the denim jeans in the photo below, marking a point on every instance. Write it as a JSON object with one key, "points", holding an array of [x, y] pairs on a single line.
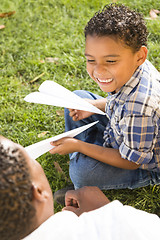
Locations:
{"points": [[86, 171]]}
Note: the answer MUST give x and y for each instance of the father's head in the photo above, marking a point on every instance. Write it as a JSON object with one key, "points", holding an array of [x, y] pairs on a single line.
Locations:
{"points": [[25, 195]]}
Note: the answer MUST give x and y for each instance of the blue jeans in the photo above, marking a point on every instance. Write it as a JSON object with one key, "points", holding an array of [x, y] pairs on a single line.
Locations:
{"points": [[86, 171]]}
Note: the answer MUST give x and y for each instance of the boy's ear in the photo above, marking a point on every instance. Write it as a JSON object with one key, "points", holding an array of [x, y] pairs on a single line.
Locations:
{"points": [[142, 55], [38, 193]]}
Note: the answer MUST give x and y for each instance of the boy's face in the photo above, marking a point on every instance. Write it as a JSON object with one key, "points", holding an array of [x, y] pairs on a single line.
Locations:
{"points": [[109, 62]]}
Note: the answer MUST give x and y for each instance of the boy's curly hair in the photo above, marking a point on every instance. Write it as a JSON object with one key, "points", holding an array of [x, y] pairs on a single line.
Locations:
{"points": [[119, 21], [16, 209]]}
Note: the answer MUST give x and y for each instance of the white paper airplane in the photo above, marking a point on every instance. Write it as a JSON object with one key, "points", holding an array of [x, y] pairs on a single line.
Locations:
{"points": [[37, 149], [51, 93]]}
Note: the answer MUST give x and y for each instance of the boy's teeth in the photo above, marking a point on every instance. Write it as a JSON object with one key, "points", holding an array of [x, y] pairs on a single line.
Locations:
{"points": [[107, 81]]}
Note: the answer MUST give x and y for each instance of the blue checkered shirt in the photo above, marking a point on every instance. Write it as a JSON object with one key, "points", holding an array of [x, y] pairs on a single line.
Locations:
{"points": [[134, 118]]}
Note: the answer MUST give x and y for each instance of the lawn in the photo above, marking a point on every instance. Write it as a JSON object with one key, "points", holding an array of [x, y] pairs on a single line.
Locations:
{"points": [[44, 40]]}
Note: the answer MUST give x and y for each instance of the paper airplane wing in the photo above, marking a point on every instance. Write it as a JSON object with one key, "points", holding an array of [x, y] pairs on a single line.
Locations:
{"points": [[52, 93], [37, 149]]}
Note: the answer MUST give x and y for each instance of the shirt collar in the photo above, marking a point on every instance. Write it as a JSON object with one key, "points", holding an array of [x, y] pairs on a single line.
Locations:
{"points": [[120, 96]]}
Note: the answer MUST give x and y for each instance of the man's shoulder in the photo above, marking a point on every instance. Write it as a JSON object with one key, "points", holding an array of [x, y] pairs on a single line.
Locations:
{"points": [[109, 221], [59, 226]]}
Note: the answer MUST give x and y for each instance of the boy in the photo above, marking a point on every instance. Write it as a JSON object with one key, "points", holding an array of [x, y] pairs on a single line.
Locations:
{"points": [[26, 206], [123, 150]]}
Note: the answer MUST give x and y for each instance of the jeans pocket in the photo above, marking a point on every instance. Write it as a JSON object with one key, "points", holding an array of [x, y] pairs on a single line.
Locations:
{"points": [[73, 155]]}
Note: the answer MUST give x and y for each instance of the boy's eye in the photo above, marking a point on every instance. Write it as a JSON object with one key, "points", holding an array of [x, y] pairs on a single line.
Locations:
{"points": [[90, 60], [111, 61]]}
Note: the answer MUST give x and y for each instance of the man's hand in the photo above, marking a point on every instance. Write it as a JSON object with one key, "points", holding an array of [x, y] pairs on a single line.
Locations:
{"points": [[84, 200]]}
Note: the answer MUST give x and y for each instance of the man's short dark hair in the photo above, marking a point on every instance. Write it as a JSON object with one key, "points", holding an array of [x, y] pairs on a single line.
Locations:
{"points": [[16, 209], [119, 21]]}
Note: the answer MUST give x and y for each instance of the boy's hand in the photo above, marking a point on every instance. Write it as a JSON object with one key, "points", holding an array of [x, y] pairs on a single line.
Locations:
{"points": [[80, 114], [84, 200], [65, 146]]}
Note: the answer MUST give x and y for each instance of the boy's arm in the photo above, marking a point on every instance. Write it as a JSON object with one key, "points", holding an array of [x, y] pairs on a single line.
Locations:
{"points": [[100, 103], [110, 156]]}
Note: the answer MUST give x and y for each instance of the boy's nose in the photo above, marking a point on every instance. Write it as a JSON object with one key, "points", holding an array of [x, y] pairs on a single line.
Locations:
{"points": [[100, 71]]}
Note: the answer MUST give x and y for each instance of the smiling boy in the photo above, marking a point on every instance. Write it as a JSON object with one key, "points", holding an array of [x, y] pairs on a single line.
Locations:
{"points": [[123, 150], [107, 58]]}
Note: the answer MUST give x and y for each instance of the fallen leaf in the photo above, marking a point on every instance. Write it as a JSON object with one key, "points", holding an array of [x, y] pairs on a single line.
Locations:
{"points": [[6, 14], [156, 11], [52, 60], [60, 112], [2, 27], [42, 61], [153, 13], [59, 169], [36, 78], [42, 134]]}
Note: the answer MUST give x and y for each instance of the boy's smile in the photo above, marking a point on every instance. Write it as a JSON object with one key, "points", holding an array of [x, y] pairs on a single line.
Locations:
{"points": [[110, 63]]}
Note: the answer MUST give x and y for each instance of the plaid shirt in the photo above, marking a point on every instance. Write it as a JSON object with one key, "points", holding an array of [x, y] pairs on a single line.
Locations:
{"points": [[134, 118]]}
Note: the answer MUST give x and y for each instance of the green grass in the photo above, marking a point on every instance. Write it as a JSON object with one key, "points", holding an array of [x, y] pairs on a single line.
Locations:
{"points": [[54, 28]]}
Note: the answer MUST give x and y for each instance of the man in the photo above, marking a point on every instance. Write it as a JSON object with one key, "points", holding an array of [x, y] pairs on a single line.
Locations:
{"points": [[26, 206]]}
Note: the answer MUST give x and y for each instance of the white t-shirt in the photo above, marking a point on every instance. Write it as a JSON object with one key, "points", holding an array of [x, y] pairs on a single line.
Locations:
{"points": [[112, 221]]}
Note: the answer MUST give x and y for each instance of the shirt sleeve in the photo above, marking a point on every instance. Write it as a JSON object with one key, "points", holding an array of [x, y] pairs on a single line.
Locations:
{"points": [[139, 137]]}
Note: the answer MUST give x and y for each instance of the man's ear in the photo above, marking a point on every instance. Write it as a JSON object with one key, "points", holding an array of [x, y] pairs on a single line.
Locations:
{"points": [[38, 193], [142, 55]]}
